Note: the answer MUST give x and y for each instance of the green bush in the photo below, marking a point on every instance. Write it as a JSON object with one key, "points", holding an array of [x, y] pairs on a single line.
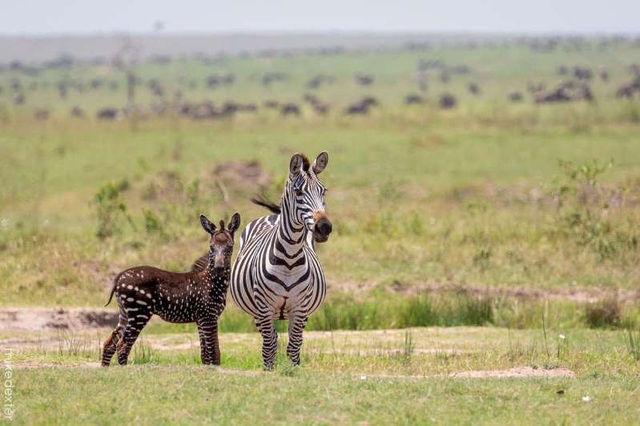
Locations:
{"points": [[110, 209]]}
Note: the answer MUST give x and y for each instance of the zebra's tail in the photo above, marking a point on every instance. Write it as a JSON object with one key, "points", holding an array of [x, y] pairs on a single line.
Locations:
{"points": [[263, 201]]}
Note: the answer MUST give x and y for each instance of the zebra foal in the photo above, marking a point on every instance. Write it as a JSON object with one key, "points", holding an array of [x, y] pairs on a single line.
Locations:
{"points": [[195, 296], [277, 274]]}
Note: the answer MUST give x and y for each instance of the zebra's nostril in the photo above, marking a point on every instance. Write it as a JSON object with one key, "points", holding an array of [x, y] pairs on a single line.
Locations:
{"points": [[324, 227]]}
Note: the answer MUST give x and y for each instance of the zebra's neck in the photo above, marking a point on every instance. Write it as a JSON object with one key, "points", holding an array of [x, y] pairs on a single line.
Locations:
{"points": [[290, 234]]}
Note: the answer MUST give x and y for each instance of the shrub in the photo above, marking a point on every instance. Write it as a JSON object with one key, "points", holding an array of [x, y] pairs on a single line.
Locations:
{"points": [[110, 209], [604, 313]]}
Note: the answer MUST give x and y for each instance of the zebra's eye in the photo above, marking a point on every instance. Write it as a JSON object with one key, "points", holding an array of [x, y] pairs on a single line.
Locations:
{"points": [[297, 190]]}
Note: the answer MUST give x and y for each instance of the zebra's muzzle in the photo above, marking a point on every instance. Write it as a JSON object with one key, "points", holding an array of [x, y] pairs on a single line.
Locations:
{"points": [[322, 229]]}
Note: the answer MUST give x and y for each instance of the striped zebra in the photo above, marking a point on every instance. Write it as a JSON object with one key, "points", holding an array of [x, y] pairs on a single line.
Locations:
{"points": [[277, 274]]}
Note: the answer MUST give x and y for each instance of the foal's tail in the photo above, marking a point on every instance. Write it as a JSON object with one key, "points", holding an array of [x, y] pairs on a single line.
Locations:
{"points": [[113, 289]]}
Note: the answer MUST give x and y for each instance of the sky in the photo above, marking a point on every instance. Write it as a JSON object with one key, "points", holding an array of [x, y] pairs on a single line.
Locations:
{"points": [[69, 17]]}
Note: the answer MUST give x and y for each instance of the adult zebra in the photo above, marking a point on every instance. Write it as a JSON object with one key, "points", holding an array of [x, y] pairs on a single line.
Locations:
{"points": [[277, 274]]}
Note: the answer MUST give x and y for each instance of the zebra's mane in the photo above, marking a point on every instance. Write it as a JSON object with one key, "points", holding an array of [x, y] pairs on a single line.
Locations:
{"points": [[305, 163]]}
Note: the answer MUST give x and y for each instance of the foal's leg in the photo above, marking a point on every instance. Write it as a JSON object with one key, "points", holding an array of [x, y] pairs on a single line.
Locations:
{"points": [[209, 345], [110, 345], [137, 320]]}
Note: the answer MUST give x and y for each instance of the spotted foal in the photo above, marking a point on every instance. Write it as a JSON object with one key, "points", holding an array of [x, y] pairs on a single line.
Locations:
{"points": [[195, 296]]}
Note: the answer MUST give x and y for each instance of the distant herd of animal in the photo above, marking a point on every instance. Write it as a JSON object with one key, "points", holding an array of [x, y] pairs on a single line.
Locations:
{"points": [[575, 87], [276, 274]]}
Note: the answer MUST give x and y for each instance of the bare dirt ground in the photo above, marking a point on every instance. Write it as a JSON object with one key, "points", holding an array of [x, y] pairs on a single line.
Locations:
{"points": [[43, 319], [75, 319]]}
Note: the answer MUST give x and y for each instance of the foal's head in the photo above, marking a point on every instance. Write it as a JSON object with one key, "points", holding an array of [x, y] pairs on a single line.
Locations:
{"points": [[221, 242]]}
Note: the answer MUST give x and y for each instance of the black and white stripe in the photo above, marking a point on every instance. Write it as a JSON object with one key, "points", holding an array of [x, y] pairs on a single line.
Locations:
{"points": [[277, 274]]}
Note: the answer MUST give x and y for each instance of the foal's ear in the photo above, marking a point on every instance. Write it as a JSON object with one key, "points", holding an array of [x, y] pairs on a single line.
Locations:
{"points": [[295, 165], [234, 223], [207, 225], [320, 163]]}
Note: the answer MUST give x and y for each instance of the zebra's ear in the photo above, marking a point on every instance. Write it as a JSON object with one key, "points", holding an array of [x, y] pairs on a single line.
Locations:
{"points": [[295, 165], [234, 223], [207, 225], [320, 163]]}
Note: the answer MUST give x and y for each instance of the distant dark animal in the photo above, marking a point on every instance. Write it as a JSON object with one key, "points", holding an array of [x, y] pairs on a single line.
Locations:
{"points": [[583, 92], [413, 99], [569, 90], [19, 99], [158, 108], [474, 89], [200, 111], [78, 112], [559, 94], [15, 84], [290, 109], [535, 87], [107, 114], [271, 104], [448, 101], [422, 80], [96, 83], [363, 79], [195, 296], [62, 90], [248, 107], [604, 75], [41, 114], [320, 107], [625, 90], [582, 73], [272, 77], [319, 80], [515, 96], [362, 107]]}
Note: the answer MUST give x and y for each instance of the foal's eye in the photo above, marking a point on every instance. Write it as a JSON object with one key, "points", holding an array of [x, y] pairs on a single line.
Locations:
{"points": [[297, 190]]}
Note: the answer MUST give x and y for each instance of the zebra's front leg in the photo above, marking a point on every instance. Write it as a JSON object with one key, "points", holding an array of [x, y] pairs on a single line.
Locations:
{"points": [[269, 341], [297, 323], [209, 345]]}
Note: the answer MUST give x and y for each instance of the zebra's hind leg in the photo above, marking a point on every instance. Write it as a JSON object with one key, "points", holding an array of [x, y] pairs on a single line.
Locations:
{"points": [[209, 345], [269, 341], [297, 323], [132, 331]]}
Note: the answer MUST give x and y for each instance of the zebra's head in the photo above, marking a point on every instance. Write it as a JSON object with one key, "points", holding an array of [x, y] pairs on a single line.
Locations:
{"points": [[221, 243], [304, 195]]}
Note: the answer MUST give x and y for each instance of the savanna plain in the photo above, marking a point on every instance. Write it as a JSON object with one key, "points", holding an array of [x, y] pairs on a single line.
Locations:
{"points": [[483, 267]]}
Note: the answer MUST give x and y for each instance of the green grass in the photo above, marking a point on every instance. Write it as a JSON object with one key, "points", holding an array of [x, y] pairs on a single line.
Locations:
{"points": [[421, 199], [165, 395], [417, 195], [381, 377]]}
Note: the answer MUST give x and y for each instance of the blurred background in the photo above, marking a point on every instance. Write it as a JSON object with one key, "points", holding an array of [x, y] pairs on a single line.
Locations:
{"points": [[481, 153]]}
